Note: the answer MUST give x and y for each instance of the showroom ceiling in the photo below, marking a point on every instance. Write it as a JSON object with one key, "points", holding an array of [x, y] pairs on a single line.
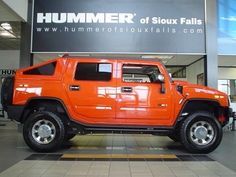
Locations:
{"points": [[228, 61], [7, 14], [177, 60]]}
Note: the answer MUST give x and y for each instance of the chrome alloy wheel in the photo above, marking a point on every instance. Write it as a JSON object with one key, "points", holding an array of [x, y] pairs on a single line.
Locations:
{"points": [[201, 133], [43, 131]]}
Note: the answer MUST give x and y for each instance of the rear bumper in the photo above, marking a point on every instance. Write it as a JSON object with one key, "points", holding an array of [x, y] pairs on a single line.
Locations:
{"points": [[14, 112]]}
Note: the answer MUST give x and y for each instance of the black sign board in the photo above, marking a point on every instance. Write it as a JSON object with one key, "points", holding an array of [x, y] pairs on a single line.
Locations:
{"points": [[123, 26], [7, 72]]}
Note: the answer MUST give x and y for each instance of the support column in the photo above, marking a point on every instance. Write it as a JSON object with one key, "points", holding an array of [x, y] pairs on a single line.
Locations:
{"points": [[26, 58], [211, 60]]}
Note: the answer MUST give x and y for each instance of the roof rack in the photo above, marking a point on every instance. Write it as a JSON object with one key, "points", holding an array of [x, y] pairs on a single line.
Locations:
{"points": [[66, 55]]}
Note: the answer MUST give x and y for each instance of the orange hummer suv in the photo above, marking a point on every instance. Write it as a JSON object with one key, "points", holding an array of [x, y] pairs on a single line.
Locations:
{"points": [[60, 98]]}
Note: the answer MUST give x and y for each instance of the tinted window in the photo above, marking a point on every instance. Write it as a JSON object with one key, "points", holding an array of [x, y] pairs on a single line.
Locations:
{"points": [[93, 71], [139, 73], [47, 69]]}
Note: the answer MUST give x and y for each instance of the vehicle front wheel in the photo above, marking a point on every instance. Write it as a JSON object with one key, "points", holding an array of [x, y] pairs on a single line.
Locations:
{"points": [[43, 131], [70, 136], [201, 133]]}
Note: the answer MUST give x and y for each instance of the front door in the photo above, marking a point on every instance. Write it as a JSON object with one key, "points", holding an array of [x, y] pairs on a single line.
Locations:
{"points": [[92, 90], [139, 98]]}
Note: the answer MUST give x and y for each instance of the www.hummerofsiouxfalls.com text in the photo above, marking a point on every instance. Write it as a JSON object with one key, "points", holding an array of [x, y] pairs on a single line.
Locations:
{"points": [[121, 30]]}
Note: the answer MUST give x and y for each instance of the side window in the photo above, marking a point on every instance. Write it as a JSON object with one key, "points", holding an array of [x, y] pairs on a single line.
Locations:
{"points": [[139, 73], [47, 69], [93, 71]]}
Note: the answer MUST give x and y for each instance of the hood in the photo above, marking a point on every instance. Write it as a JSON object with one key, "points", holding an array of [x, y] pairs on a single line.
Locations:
{"points": [[198, 88], [202, 92]]}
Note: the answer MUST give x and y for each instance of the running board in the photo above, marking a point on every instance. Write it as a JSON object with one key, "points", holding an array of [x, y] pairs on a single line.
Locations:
{"points": [[86, 129], [158, 131]]}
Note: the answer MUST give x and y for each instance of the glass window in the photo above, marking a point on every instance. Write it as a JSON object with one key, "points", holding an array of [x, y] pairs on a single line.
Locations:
{"points": [[93, 71], [226, 27], [47, 69], [177, 71], [228, 87], [139, 73]]}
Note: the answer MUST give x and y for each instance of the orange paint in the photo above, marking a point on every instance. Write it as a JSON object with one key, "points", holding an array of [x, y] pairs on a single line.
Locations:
{"points": [[102, 102]]}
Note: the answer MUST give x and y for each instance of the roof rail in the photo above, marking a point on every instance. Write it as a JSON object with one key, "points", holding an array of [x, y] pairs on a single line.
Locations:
{"points": [[66, 55]]}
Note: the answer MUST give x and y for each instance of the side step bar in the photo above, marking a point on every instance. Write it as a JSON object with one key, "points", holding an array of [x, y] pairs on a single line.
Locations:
{"points": [[83, 129]]}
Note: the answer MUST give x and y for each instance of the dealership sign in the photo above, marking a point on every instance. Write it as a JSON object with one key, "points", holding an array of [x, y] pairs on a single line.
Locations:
{"points": [[126, 26], [7, 72]]}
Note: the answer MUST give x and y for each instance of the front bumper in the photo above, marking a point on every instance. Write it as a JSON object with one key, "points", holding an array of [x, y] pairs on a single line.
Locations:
{"points": [[229, 112], [224, 115]]}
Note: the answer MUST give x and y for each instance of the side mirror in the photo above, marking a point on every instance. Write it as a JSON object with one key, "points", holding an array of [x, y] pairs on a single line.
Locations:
{"points": [[160, 78]]}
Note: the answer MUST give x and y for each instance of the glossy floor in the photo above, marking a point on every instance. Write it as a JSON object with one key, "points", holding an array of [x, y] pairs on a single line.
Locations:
{"points": [[114, 155]]}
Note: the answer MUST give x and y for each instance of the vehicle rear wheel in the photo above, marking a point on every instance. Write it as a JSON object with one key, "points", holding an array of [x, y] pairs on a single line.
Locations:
{"points": [[201, 133], [174, 137], [43, 131]]}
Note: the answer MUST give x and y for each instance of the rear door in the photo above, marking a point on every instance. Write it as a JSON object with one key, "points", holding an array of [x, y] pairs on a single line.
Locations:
{"points": [[92, 90]]}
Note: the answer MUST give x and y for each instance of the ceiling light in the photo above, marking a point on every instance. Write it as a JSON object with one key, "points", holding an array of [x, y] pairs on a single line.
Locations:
{"points": [[6, 26], [73, 55], [163, 57], [166, 57], [6, 34], [164, 61]]}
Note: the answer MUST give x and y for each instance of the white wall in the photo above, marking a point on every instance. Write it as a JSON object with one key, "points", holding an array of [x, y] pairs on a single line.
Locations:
{"points": [[20, 7], [193, 70], [197, 68], [9, 59], [223, 73], [227, 73]]}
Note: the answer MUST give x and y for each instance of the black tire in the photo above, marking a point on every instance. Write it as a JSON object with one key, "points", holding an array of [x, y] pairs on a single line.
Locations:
{"points": [[58, 131], [213, 130], [69, 136], [174, 137]]}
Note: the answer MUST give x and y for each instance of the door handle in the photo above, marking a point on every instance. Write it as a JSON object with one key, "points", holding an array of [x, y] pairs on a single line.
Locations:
{"points": [[74, 87], [126, 89]]}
